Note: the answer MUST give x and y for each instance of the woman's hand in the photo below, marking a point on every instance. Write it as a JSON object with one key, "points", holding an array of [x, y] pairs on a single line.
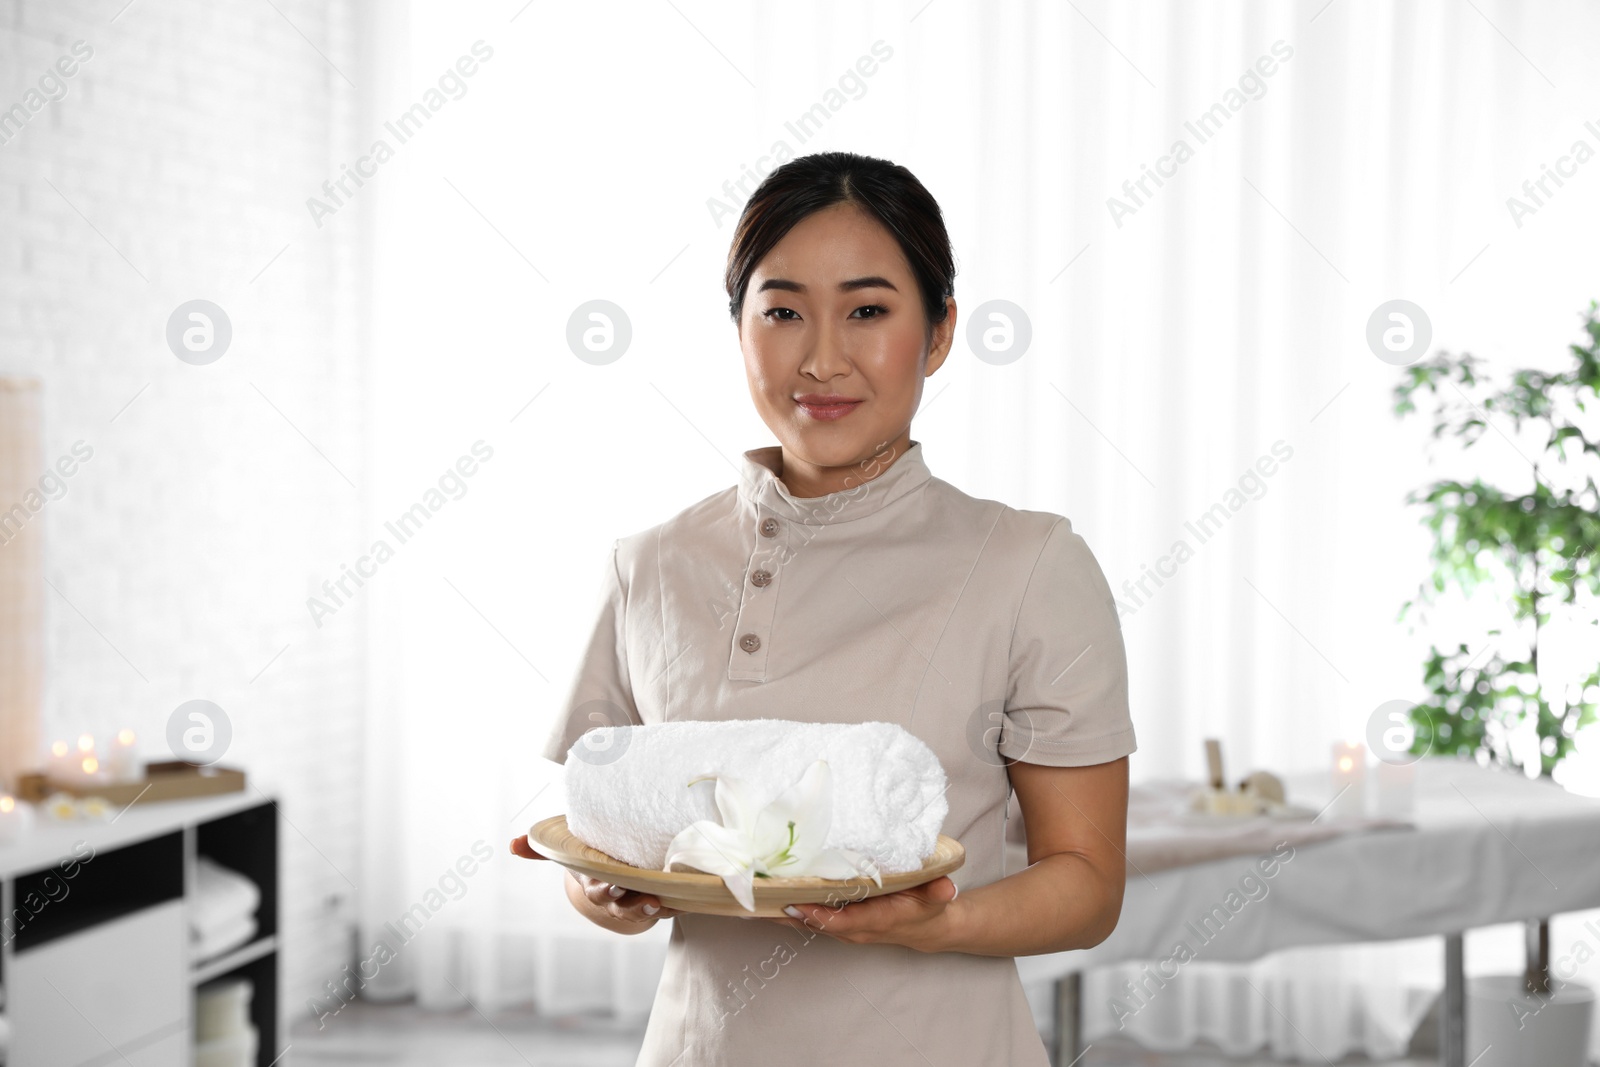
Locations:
{"points": [[520, 847], [621, 904], [918, 918], [624, 904]]}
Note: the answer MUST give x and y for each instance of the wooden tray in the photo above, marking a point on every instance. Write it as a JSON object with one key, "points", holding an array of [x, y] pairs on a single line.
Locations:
{"points": [[168, 780], [705, 894]]}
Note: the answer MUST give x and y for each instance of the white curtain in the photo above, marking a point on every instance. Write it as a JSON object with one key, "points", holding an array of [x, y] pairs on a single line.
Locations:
{"points": [[1175, 339]]}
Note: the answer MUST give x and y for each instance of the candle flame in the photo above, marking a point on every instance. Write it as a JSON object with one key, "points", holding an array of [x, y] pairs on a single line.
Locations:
{"points": [[90, 765], [125, 737], [7, 804], [1346, 763], [58, 749], [86, 743]]}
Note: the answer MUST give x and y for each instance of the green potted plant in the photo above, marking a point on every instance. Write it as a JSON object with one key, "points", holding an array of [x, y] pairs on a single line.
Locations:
{"points": [[1535, 545]]}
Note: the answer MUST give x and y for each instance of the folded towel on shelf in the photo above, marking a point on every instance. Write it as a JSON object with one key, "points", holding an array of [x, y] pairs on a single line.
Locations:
{"points": [[222, 1008], [235, 1050], [628, 789], [222, 895], [213, 941]]}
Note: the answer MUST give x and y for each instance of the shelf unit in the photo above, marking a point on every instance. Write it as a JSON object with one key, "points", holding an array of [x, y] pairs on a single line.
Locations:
{"points": [[95, 957]]}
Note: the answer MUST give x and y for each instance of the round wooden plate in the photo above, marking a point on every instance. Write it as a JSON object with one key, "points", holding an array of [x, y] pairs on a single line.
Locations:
{"points": [[705, 894]]}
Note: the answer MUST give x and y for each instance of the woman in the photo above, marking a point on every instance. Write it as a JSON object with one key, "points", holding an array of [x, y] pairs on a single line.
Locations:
{"points": [[839, 581]]}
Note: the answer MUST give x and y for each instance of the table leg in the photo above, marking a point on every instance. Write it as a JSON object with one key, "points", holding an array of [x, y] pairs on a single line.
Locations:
{"points": [[1453, 1006], [1069, 1019], [1536, 979]]}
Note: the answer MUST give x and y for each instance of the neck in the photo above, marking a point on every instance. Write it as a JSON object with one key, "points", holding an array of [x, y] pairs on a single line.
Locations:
{"points": [[804, 479]]}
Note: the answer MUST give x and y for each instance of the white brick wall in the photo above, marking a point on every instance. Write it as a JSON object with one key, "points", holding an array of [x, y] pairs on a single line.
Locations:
{"points": [[191, 539]]}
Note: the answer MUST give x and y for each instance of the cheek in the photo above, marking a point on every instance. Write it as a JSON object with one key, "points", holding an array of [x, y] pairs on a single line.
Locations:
{"points": [[896, 361], [759, 368], [767, 364]]}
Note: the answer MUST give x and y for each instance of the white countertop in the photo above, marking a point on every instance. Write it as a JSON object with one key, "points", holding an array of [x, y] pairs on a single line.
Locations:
{"points": [[50, 841]]}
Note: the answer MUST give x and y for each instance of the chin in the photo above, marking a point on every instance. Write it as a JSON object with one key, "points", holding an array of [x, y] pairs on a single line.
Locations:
{"points": [[828, 449]]}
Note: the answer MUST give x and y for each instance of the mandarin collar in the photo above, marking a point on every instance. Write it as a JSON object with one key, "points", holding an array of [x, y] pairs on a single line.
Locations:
{"points": [[760, 487]]}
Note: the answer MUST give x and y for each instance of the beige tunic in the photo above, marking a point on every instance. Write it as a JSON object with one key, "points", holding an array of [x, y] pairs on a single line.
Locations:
{"points": [[987, 631]]}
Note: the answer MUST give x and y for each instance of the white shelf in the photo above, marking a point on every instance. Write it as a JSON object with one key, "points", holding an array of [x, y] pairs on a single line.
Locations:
{"points": [[229, 960], [143, 865], [51, 841]]}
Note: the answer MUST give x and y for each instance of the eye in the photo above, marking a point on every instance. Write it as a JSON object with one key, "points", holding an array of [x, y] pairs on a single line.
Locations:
{"points": [[770, 312], [878, 310]]}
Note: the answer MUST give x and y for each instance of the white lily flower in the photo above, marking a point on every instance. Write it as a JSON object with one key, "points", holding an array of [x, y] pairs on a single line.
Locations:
{"points": [[783, 839]]}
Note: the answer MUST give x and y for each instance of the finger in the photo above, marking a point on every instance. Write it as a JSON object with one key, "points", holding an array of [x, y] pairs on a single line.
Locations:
{"points": [[629, 906], [813, 917], [598, 892], [940, 891], [609, 895], [623, 903], [520, 847], [645, 906], [652, 908]]}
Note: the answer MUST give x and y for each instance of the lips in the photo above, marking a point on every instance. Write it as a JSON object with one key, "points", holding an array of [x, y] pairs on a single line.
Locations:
{"points": [[826, 408]]}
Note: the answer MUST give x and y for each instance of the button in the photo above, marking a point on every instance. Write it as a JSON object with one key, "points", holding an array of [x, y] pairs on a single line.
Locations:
{"points": [[761, 579], [769, 527], [749, 642]]}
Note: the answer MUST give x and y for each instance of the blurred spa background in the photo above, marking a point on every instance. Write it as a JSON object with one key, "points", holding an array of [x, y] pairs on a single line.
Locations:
{"points": [[282, 281]]}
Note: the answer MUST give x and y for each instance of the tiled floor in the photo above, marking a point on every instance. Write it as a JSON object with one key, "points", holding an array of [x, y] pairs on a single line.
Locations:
{"points": [[404, 1037]]}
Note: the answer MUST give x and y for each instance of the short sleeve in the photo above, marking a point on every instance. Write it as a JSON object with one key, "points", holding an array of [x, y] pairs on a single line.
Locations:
{"points": [[601, 693], [1067, 701]]}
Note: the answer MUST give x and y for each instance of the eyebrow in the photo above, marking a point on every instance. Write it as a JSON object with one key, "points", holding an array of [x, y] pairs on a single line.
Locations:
{"points": [[850, 286]]}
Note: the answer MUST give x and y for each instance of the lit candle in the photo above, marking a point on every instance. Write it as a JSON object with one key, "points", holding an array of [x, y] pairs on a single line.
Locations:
{"points": [[1349, 792], [89, 769], [91, 773], [123, 761], [62, 766], [16, 819], [1397, 784]]}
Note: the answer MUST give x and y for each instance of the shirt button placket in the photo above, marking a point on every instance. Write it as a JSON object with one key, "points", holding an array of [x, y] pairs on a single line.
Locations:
{"points": [[757, 603]]}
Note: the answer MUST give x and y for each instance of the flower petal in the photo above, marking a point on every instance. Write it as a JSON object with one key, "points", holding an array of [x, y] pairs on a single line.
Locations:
{"points": [[742, 886], [708, 847], [842, 863], [735, 804], [808, 805]]}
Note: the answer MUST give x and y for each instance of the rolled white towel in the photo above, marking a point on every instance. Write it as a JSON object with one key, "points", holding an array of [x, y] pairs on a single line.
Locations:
{"points": [[628, 789], [222, 896]]}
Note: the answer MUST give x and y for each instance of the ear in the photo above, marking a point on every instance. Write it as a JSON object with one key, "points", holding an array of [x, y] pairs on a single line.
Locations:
{"points": [[943, 337]]}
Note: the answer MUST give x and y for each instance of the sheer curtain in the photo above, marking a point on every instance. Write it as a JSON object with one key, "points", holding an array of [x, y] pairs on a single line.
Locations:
{"points": [[1337, 156]]}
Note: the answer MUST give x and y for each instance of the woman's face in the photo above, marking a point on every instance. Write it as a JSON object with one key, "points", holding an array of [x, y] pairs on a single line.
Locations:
{"points": [[836, 347]]}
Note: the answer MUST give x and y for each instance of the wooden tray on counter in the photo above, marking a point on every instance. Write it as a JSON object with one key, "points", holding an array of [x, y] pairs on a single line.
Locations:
{"points": [[168, 780]]}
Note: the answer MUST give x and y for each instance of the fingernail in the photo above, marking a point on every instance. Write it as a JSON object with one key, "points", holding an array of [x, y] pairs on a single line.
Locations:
{"points": [[616, 891], [793, 912], [957, 893], [650, 909]]}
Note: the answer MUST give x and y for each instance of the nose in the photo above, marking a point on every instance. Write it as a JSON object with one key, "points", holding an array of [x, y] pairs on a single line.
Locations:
{"points": [[826, 357]]}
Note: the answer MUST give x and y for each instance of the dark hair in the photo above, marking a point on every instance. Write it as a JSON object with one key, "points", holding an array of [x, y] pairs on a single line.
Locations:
{"points": [[886, 191]]}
